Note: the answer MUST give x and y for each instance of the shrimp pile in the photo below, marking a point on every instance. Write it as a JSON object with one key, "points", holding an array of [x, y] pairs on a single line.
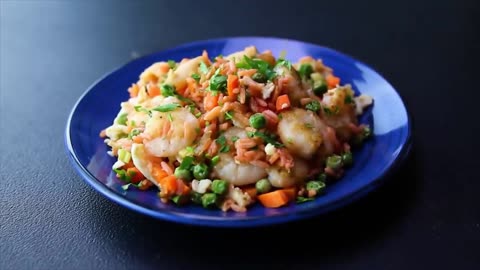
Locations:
{"points": [[227, 132]]}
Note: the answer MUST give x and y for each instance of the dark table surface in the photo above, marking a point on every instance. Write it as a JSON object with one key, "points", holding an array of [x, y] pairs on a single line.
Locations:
{"points": [[427, 216]]}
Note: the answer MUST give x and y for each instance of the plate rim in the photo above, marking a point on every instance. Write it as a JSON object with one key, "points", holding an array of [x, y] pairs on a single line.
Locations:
{"points": [[244, 221]]}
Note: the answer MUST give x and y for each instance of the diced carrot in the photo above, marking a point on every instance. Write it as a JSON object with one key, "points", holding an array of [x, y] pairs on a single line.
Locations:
{"points": [[153, 90], [137, 139], [150, 77], [291, 193], [251, 191], [283, 102], [182, 188], [145, 184], [168, 185], [210, 101], [274, 199], [133, 90], [332, 81], [158, 173], [135, 174], [232, 83], [163, 68]]}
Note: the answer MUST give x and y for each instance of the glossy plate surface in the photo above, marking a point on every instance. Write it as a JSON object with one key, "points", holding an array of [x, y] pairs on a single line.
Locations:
{"points": [[98, 106]]}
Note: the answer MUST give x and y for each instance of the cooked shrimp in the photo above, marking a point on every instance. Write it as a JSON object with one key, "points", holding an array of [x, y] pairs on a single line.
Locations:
{"points": [[282, 178], [290, 84], [142, 161], [301, 132], [166, 133], [238, 56], [235, 132], [340, 114], [178, 77], [237, 174]]}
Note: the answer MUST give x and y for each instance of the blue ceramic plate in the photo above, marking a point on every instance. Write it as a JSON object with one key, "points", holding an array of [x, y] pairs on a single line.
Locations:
{"points": [[97, 107]]}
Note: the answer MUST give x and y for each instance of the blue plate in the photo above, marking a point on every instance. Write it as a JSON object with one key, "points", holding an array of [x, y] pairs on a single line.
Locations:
{"points": [[97, 107]]}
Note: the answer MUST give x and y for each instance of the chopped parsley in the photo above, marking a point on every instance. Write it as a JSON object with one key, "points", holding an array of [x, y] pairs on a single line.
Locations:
{"points": [[187, 163], [122, 119], [172, 64], [261, 66], [305, 70], [301, 199], [313, 106], [139, 108], [133, 133], [170, 117], [166, 107], [222, 142], [196, 77], [285, 63], [234, 138], [229, 115], [203, 68], [123, 175], [348, 99], [188, 151], [266, 137], [218, 82], [167, 90]]}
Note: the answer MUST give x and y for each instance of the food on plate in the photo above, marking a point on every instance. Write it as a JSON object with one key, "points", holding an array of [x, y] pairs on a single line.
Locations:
{"points": [[231, 131]]}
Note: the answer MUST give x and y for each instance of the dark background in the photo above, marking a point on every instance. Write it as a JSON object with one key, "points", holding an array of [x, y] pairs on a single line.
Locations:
{"points": [[427, 216]]}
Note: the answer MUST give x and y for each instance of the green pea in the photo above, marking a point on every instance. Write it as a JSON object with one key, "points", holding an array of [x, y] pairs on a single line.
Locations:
{"points": [[259, 77], [215, 160], [305, 70], [183, 174], [347, 158], [258, 121], [320, 87], [209, 200], [180, 199], [196, 198], [219, 187], [334, 162], [360, 138], [200, 171], [322, 177], [263, 186]]}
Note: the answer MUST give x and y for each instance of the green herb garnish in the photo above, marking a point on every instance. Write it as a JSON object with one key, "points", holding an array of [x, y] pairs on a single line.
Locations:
{"points": [[222, 142], [313, 106], [285, 63], [301, 199], [261, 66], [166, 107], [229, 115], [172, 64], [218, 82], [203, 68], [196, 77], [266, 137], [133, 133]]}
